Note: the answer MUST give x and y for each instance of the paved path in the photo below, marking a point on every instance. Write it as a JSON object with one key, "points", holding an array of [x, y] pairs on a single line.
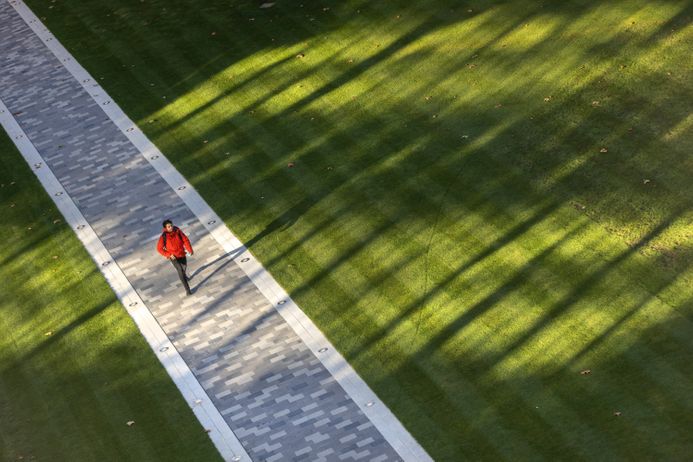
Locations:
{"points": [[264, 373]]}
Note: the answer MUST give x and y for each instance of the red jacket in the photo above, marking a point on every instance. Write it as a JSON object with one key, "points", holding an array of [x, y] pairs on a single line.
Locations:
{"points": [[176, 243]]}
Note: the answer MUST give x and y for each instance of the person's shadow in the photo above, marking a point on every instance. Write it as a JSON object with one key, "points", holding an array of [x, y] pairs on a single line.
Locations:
{"points": [[228, 257]]}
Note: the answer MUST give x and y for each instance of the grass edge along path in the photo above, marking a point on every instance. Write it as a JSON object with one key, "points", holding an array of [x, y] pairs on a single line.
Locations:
{"points": [[74, 369], [467, 217]]}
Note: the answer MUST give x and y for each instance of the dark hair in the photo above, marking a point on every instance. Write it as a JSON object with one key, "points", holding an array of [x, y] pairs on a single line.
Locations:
{"points": [[166, 222]]}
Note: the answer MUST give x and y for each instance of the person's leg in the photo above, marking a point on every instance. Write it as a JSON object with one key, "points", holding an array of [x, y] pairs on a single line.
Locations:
{"points": [[184, 264], [181, 273]]}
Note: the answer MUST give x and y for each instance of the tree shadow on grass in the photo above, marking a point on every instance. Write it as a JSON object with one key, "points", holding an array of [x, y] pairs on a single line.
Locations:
{"points": [[398, 170]]}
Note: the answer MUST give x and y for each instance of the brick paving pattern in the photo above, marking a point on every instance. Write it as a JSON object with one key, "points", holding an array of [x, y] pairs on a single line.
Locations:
{"points": [[276, 396]]}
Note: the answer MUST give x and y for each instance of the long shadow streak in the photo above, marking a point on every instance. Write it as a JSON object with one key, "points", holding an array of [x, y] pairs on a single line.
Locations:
{"points": [[229, 256]]}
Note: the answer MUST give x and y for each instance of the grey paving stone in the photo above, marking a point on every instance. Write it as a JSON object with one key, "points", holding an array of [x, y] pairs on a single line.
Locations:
{"points": [[276, 396]]}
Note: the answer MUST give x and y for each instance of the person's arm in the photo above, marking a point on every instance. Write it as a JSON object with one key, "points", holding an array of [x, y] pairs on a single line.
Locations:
{"points": [[186, 243], [160, 248]]}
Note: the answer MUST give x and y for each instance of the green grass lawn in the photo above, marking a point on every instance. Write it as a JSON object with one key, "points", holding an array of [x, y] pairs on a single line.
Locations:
{"points": [[74, 369], [487, 197]]}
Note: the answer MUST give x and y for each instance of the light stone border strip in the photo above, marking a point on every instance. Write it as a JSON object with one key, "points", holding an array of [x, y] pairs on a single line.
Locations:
{"points": [[219, 431], [376, 411]]}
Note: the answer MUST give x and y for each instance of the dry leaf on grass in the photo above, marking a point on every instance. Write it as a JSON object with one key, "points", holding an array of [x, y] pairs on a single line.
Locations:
{"points": [[603, 150], [586, 372], [130, 423]]}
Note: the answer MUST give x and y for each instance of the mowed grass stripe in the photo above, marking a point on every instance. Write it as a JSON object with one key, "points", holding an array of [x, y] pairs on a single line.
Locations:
{"points": [[470, 250], [73, 366]]}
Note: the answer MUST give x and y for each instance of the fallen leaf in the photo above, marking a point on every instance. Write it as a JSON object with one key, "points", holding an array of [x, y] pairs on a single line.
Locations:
{"points": [[595, 103], [603, 150], [48, 334], [291, 165], [645, 181], [130, 423], [547, 99], [267, 5], [301, 55], [617, 413], [586, 372]]}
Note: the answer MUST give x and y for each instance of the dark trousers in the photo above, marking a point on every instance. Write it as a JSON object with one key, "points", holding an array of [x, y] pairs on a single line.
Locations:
{"points": [[181, 264]]}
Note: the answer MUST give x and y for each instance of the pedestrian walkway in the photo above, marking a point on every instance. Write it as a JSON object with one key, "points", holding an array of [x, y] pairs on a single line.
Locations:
{"points": [[277, 383]]}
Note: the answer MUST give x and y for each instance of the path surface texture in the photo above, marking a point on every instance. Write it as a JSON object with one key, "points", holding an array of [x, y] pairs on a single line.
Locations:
{"points": [[272, 389]]}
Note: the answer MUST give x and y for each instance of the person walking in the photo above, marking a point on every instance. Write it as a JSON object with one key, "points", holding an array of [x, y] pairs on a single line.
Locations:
{"points": [[172, 245]]}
